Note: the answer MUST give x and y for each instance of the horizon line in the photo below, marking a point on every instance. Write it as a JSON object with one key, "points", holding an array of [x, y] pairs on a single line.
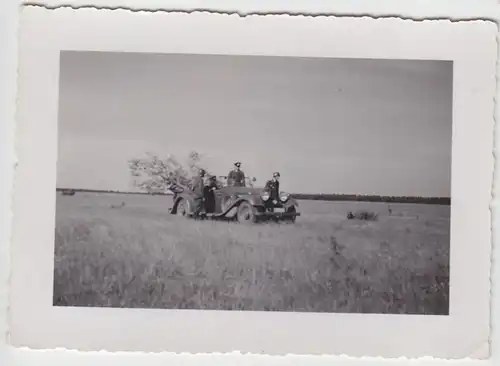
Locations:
{"points": [[311, 196]]}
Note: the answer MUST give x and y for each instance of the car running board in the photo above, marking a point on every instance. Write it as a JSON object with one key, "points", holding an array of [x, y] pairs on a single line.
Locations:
{"points": [[224, 213]]}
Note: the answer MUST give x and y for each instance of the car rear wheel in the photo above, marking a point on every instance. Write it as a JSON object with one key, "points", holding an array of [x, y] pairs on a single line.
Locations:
{"points": [[182, 208], [246, 213]]}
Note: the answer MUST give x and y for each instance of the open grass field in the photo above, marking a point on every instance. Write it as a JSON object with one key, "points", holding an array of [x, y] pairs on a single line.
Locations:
{"points": [[127, 251]]}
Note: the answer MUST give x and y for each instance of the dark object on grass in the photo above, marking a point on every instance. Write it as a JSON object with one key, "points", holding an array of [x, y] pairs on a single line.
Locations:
{"points": [[362, 215], [121, 205]]}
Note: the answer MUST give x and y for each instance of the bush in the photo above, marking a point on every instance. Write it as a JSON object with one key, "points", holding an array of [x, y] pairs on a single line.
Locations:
{"points": [[362, 215]]}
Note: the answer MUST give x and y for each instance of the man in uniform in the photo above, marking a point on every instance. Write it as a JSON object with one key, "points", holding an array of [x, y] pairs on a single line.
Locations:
{"points": [[236, 177], [209, 194], [273, 187], [198, 190]]}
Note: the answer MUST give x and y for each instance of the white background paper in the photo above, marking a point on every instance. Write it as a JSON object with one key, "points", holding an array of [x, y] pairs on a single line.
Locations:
{"points": [[412, 9]]}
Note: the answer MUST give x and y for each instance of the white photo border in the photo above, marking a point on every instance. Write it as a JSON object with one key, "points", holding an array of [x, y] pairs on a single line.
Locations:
{"points": [[35, 323]]}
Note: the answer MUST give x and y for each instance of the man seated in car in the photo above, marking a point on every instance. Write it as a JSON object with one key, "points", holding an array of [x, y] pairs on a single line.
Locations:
{"points": [[236, 177]]}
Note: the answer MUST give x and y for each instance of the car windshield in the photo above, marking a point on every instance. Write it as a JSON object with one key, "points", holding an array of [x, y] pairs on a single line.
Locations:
{"points": [[249, 181]]}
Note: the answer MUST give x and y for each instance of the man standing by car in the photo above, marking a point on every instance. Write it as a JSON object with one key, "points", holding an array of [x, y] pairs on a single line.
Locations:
{"points": [[209, 194], [273, 187], [198, 190], [236, 177]]}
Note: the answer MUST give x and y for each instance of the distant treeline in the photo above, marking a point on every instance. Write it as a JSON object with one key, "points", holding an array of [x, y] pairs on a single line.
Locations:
{"points": [[300, 196], [373, 198]]}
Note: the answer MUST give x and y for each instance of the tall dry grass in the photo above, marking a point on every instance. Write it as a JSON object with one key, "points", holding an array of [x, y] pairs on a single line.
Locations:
{"points": [[139, 256]]}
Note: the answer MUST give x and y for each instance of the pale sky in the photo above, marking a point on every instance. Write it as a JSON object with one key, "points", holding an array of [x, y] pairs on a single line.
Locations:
{"points": [[327, 125]]}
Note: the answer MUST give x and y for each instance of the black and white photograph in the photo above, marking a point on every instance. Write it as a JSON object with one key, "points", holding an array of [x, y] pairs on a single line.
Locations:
{"points": [[209, 183], [253, 183]]}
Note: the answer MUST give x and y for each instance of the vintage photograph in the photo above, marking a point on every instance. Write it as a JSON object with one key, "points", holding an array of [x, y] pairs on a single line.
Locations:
{"points": [[271, 185], [262, 183]]}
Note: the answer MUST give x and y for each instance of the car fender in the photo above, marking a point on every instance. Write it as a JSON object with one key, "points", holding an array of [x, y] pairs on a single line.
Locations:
{"points": [[238, 201], [291, 202]]}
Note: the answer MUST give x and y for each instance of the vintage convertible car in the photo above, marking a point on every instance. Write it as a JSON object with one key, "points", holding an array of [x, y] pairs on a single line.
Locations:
{"points": [[244, 204]]}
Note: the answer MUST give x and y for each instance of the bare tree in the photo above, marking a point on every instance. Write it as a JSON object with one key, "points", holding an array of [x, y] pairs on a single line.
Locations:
{"points": [[155, 175]]}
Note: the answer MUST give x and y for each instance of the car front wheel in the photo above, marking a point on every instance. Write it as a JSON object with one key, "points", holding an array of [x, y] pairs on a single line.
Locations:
{"points": [[291, 219], [246, 213]]}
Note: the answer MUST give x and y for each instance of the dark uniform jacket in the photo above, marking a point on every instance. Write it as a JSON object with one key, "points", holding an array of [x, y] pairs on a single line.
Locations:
{"points": [[236, 178], [209, 195], [273, 187]]}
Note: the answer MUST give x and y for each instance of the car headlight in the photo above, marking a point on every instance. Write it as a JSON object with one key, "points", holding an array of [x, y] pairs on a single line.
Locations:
{"points": [[284, 197], [265, 196]]}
